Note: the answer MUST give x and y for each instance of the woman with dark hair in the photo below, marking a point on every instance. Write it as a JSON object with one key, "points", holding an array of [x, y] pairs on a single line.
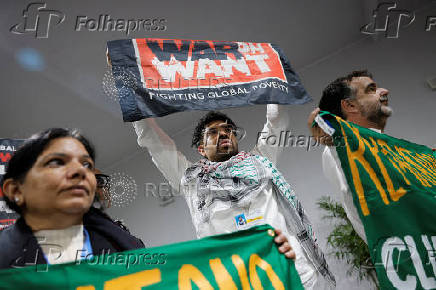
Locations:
{"points": [[50, 181]]}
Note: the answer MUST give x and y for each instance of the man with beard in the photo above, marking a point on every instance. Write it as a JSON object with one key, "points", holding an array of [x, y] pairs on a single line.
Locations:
{"points": [[230, 190], [355, 98]]}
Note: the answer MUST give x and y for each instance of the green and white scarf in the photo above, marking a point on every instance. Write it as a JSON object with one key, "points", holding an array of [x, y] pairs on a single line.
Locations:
{"points": [[251, 173]]}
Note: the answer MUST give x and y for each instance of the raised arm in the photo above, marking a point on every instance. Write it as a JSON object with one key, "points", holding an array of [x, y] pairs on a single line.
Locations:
{"points": [[275, 127], [163, 151]]}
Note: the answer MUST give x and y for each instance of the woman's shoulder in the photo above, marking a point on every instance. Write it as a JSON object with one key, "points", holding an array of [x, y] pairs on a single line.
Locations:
{"points": [[5, 235], [12, 242], [96, 220], [15, 232], [95, 215]]}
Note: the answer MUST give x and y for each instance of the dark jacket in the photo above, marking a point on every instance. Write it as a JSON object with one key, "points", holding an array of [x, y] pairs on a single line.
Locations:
{"points": [[19, 247]]}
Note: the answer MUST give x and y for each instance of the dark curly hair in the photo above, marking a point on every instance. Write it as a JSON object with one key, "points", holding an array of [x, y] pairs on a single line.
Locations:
{"points": [[197, 137], [25, 157], [339, 90]]}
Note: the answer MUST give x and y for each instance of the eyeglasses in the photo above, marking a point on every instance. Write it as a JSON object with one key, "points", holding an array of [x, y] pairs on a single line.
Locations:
{"points": [[103, 180], [228, 129]]}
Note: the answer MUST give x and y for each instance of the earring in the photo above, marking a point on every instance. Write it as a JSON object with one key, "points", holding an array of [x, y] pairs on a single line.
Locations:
{"points": [[16, 199]]}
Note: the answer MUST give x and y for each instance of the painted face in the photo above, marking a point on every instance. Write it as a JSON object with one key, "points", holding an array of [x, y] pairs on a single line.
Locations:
{"points": [[62, 180], [219, 141], [372, 101]]}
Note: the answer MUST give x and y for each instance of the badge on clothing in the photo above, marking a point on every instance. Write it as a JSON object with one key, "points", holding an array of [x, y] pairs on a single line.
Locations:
{"points": [[245, 222]]}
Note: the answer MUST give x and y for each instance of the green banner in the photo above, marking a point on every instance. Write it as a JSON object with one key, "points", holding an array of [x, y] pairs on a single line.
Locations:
{"points": [[242, 260], [393, 183]]}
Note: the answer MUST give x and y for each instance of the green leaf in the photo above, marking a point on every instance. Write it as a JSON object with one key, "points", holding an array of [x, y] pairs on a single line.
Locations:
{"points": [[345, 242]]}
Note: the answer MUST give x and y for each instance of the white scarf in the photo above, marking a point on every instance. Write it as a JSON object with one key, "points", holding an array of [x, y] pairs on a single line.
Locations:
{"points": [[215, 180], [61, 246]]}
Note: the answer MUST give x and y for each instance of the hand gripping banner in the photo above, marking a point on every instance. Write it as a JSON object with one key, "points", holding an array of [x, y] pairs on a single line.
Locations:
{"points": [[393, 183], [245, 260], [157, 77]]}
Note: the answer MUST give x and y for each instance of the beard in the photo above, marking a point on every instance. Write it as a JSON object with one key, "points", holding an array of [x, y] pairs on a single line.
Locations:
{"points": [[376, 113], [386, 110], [218, 153], [226, 153]]}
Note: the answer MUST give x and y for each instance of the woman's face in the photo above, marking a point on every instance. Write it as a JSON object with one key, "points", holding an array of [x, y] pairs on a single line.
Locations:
{"points": [[62, 180]]}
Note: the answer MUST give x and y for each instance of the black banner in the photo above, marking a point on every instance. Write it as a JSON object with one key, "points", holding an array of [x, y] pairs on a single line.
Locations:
{"points": [[157, 77]]}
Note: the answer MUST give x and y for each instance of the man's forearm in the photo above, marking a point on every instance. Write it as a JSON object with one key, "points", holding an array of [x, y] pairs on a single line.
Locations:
{"points": [[170, 162]]}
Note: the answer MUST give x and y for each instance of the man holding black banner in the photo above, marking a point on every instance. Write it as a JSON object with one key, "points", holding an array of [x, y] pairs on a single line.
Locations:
{"points": [[231, 190], [228, 190]]}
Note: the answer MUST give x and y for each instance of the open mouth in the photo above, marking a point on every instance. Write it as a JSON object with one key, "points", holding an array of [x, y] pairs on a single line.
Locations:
{"points": [[384, 100], [225, 143]]}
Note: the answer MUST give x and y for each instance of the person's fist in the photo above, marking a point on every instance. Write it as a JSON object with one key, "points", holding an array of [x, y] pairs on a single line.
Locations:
{"points": [[319, 135], [283, 244]]}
